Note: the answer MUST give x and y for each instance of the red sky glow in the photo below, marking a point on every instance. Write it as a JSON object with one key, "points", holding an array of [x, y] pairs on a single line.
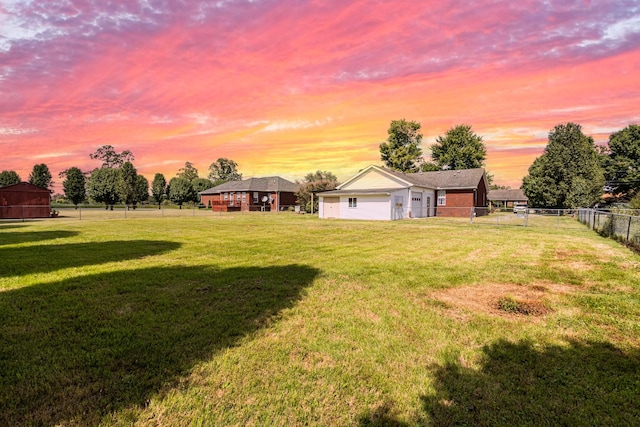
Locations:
{"points": [[287, 87]]}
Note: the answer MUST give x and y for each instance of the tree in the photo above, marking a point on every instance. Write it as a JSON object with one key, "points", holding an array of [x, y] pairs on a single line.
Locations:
{"points": [[429, 167], [142, 190], [188, 172], [110, 158], [459, 148], [568, 174], [74, 186], [102, 186], [623, 164], [402, 150], [223, 170], [41, 176], [200, 184], [180, 191], [127, 182], [314, 182], [159, 188], [9, 178]]}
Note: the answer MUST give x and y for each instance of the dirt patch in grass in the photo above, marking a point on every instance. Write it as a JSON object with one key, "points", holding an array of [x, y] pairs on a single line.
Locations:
{"points": [[504, 300]]}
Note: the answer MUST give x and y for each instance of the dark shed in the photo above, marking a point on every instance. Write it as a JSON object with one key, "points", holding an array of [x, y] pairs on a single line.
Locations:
{"points": [[24, 200]]}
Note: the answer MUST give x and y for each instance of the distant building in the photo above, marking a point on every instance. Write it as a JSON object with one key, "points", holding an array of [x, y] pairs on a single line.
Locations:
{"points": [[24, 200], [506, 198], [271, 193]]}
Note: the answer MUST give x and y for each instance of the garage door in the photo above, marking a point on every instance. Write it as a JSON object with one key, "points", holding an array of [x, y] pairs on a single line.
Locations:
{"points": [[416, 205], [331, 206]]}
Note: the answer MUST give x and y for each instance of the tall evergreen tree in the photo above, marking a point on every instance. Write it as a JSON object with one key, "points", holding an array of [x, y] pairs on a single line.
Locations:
{"points": [[568, 174]]}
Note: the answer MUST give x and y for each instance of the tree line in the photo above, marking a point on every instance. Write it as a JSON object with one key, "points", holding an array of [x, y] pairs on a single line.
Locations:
{"points": [[572, 171], [117, 181]]}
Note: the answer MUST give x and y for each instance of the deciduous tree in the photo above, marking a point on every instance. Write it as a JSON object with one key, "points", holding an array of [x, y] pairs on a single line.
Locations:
{"points": [[623, 168], [142, 189], [200, 184], [180, 191], [402, 150], [188, 172], [9, 178], [223, 170], [110, 158], [568, 174], [459, 148], [74, 186], [127, 183], [41, 176], [159, 188], [102, 186], [314, 182]]}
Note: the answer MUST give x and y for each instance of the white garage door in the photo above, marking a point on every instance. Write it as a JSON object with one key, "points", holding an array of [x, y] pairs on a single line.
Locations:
{"points": [[416, 205], [331, 207]]}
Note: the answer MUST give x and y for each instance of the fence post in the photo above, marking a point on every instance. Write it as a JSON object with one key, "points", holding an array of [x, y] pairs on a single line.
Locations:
{"points": [[628, 229], [471, 216]]}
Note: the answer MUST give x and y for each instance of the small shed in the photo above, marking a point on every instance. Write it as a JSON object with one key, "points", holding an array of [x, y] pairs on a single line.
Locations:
{"points": [[24, 200]]}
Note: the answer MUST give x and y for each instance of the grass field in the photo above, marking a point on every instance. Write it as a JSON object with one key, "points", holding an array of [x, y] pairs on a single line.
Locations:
{"points": [[281, 319]]}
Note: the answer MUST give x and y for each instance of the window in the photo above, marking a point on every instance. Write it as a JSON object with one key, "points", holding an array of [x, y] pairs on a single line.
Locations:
{"points": [[442, 198], [226, 196], [353, 202], [255, 197], [244, 197]]}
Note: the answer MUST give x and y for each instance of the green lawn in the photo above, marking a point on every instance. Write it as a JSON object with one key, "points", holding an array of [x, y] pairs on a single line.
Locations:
{"points": [[284, 319]]}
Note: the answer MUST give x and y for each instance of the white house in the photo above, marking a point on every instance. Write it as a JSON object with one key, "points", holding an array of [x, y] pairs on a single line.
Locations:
{"points": [[377, 193]]}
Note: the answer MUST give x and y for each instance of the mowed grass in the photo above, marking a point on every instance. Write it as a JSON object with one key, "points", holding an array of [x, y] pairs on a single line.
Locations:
{"points": [[282, 319]]}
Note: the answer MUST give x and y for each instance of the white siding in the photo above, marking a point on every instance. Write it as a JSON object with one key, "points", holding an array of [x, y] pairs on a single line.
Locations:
{"points": [[374, 207], [373, 179]]}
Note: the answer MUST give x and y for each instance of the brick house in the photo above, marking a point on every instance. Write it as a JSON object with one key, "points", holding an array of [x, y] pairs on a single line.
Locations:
{"points": [[271, 193], [24, 200], [506, 198], [383, 194]]}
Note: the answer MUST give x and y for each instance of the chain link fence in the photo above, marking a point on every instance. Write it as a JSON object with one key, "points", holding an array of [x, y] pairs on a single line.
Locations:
{"points": [[620, 225], [92, 212]]}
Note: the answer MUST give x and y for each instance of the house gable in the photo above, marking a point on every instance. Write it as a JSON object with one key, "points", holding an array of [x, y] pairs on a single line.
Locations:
{"points": [[373, 178]]}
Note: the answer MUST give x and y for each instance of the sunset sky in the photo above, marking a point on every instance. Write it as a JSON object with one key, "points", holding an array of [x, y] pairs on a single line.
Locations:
{"points": [[287, 87]]}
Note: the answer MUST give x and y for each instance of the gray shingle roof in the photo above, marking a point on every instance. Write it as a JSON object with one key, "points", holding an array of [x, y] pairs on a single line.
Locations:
{"points": [[268, 184], [510, 195], [443, 180]]}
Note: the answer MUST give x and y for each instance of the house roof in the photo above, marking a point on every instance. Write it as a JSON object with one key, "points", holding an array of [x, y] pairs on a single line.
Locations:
{"points": [[438, 180], [269, 184], [24, 186], [510, 195]]}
